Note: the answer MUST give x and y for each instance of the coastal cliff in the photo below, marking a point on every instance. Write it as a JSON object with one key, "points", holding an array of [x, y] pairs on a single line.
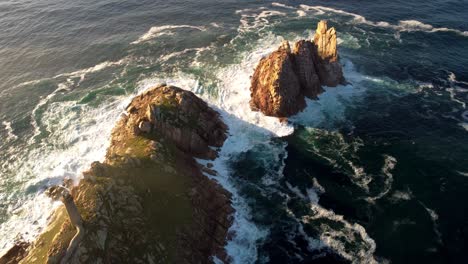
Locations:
{"points": [[284, 78], [149, 201]]}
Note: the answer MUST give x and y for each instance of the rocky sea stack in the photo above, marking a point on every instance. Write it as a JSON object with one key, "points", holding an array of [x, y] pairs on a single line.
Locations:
{"points": [[283, 79], [149, 201]]}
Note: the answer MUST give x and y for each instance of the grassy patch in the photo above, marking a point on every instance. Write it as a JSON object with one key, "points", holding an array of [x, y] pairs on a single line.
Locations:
{"points": [[39, 252]]}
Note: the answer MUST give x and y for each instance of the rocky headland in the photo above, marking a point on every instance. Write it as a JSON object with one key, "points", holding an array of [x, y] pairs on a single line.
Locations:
{"points": [[149, 201], [284, 78]]}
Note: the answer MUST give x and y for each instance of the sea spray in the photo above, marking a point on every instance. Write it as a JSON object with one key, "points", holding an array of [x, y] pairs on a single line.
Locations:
{"points": [[78, 136]]}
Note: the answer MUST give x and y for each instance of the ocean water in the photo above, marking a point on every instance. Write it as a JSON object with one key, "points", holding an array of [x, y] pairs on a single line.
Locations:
{"points": [[373, 172]]}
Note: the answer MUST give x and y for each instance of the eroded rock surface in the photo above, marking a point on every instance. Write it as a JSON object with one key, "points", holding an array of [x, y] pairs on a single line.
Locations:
{"points": [[328, 67], [305, 57], [282, 79], [17, 252], [276, 89], [149, 202]]}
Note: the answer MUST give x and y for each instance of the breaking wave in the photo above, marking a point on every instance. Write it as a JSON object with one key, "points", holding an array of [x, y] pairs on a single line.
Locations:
{"points": [[155, 32], [402, 26]]}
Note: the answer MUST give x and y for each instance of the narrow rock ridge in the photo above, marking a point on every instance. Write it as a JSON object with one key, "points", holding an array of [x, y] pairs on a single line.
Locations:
{"points": [[282, 79], [149, 201]]}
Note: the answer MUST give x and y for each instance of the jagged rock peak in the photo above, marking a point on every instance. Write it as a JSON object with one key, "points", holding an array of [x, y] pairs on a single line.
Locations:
{"points": [[325, 41], [282, 79]]}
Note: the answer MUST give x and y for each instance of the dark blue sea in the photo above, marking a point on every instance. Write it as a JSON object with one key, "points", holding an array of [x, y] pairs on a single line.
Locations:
{"points": [[375, 171]]}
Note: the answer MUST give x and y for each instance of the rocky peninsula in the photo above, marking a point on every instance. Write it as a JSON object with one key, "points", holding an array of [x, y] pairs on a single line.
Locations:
{"points": [[284, 78], [149, 201]]}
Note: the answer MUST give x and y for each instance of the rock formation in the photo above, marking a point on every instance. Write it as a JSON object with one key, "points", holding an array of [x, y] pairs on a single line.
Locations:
{"points": [[149, 201], [282, 79], [183, 118], [328, 67], [276, 89], [305, 58], [16, 253]]}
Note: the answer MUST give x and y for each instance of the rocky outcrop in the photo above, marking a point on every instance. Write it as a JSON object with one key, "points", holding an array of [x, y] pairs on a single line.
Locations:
{"points": [[305, 58], [182, 117], [276, 89], [328, 67], [149, 201], [282, 79], [16, 253]]}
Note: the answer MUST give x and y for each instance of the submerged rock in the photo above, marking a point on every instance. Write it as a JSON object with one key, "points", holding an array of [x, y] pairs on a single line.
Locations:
{"points": [[282, 79]]}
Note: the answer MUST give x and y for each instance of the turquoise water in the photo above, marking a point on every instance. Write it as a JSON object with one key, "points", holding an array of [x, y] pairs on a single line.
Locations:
{"points": [[375, 171]]}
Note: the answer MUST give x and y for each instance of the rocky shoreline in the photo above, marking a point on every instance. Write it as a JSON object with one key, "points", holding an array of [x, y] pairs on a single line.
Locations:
{"points": [[149, 201]]}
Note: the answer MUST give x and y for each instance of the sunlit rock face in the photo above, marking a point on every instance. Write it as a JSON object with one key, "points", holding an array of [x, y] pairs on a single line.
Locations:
{"points": [[328, 67], [283, 78], [149, 201], [276, 90]]}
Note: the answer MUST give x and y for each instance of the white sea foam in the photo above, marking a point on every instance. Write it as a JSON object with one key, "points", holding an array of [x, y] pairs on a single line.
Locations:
{"points": [[10, 133], [350, 233], [176, 54], [295, 190], [247, 129], [333, 238], [434, 217], [85, 131], [282, 5], [340, 153], [402, 26], [155, 32], [312, 243], [70, 75], [453, 79], [389, 165], [414, 25], [99, 67], [66, 87], [256, 18], [301, 13], [215, 25], [402, 196], [34, 123], [331, 105]]}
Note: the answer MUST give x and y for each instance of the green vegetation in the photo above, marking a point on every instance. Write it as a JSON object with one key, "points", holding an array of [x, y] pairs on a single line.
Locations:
{"points": [[39, 253]]}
